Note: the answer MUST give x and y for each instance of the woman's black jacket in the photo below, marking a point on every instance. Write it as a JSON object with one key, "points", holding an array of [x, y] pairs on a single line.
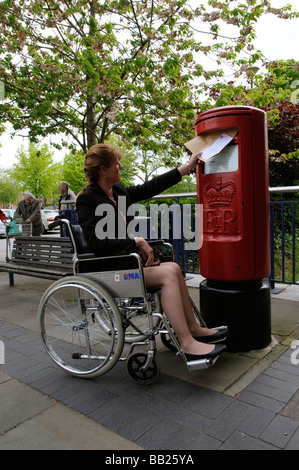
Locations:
{"points": [[92, 217]]}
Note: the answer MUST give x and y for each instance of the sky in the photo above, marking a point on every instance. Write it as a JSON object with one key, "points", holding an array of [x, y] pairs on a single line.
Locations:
{"points": [[276, 38]]}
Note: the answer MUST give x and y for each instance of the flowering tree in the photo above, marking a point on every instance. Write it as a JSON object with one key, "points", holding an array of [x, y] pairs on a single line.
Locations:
{"points": [[91, 68], [275, 93]]}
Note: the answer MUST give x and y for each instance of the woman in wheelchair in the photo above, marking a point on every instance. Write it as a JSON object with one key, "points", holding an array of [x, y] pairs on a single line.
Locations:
{"points": [[102, 169]]}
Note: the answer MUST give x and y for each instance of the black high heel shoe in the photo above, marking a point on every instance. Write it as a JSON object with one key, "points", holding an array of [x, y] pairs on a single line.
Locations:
{"points": [[217, 337], [219, 349]]}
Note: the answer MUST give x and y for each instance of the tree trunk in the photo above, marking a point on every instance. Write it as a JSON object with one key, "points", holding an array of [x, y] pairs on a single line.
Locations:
{"points": [[91, 121]]}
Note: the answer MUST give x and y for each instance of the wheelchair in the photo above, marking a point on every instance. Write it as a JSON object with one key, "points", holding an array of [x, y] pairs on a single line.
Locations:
{"points": [[88, 319]]}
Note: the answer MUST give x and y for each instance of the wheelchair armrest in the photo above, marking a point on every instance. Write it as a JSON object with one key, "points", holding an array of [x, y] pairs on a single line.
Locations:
{"points": [[83, 256], [161, 243], [88, 262], [154, 243]]}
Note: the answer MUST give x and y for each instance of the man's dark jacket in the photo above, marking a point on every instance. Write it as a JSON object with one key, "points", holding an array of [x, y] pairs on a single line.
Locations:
{"points": [[32, 212]]}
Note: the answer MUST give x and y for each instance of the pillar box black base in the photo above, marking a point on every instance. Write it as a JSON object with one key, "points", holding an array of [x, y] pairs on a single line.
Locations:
{"points": [[244, 307]]}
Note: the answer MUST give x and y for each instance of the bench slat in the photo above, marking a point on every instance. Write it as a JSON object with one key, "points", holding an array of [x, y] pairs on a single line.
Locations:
{"points": [[18, 267], [44, 273]]}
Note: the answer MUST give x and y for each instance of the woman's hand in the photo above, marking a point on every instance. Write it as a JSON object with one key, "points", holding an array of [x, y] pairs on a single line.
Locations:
{"points": [[145, 250], [194, 160], [191, 165]]}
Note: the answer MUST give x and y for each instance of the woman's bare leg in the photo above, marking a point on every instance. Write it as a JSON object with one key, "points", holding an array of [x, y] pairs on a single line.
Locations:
{"points": [[173, 297], [194, 327]]}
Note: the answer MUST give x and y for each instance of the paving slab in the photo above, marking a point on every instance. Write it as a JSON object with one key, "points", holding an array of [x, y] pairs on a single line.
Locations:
{"points": [[19, 402]]}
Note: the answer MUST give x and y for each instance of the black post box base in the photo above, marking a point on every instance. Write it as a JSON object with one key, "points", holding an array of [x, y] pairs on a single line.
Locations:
{"points": [[244, 307]]}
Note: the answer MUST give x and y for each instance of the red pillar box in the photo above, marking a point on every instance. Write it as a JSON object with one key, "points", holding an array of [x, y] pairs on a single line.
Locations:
{"points": [[233, 188]]}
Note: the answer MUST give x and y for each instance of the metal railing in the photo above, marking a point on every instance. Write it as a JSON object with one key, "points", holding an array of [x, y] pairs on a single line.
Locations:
{"points": [[284, 236]]}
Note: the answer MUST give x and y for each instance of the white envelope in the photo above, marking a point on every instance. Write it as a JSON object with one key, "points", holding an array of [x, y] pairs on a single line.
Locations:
{"points": [[211, 143]]}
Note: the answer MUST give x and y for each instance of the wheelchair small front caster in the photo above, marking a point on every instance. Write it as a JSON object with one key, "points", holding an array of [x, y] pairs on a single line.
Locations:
{"points": [[135, 368]]}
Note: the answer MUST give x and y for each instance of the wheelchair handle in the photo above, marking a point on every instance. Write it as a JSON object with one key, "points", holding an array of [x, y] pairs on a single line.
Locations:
{"points": [[58, 223], [155, 242]]}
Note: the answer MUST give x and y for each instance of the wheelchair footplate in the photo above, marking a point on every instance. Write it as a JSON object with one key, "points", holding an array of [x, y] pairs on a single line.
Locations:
{"points": [[173, 344], [200, 363]]}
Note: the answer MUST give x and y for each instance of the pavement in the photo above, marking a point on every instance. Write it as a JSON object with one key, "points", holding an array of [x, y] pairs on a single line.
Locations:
{"points": [[246, 401]]}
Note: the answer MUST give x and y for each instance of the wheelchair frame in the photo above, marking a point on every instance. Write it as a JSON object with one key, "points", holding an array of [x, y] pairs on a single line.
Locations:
{"points": [[83, 318]]}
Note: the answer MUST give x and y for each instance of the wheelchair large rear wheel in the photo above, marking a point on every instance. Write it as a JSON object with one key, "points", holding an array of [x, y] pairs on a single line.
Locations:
{"points": [[81, 326]]}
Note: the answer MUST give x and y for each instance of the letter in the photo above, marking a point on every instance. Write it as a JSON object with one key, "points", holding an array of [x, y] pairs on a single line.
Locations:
{"points": [[154, 222], [294, 99], [176, 221], [131, 276], [209, 221], [197, 233], [229, 216], [2, 90], [108, 461], [164, 222], [135, 461], [2, 353], [138, 226], [107, 222], [295, 353], [122, 224]]}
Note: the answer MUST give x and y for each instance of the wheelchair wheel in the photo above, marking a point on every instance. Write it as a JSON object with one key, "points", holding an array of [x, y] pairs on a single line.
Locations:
{"points": [[81, 327], [138, 324], [135, 363]]}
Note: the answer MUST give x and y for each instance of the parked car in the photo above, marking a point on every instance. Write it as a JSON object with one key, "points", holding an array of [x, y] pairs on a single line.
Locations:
{"points": [[9, 212], [2, 229], [48, 216]]}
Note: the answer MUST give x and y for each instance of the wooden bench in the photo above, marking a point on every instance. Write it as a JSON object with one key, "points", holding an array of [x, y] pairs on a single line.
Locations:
{"points": [[43, 257]]}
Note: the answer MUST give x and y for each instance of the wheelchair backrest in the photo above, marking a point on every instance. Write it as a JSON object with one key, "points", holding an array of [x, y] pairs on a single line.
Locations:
{"points": [[80, 242], [121, 275]]}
